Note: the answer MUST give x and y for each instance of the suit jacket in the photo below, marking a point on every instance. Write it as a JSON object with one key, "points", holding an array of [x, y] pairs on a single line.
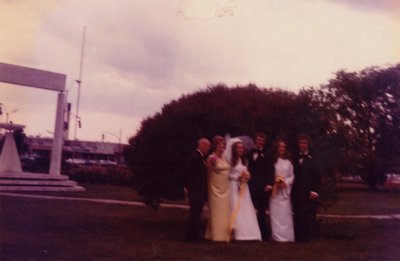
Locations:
{"points": [[196, 177], [306, 179], [260, 171]]}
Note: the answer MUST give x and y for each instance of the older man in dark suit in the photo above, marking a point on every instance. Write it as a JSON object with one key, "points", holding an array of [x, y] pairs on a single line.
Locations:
{"points": [[304, 189], [196, 188]]}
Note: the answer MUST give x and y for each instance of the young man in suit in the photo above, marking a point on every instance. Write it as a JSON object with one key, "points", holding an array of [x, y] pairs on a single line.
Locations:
{"points": [[261, 181], [196, 188], [304, 189]]}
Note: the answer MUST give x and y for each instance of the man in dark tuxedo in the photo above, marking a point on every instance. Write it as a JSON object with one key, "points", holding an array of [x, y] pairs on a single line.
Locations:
{"points": [[196, 188], [304, 189], [261, 181]]}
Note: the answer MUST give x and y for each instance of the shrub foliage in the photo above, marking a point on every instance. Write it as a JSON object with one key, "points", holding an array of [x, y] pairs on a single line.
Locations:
{"points": [[331, 115]]}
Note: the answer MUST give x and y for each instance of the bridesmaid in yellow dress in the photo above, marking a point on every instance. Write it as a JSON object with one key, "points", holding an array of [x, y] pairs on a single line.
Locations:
{"points": [[218, 193]]}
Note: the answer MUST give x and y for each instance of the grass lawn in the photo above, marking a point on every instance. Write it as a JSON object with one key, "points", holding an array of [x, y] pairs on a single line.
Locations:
{"points": [[46, 229], [358, 199]]}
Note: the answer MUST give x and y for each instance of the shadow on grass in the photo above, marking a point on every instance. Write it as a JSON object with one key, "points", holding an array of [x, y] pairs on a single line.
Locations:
{"points": [[342, 229]]}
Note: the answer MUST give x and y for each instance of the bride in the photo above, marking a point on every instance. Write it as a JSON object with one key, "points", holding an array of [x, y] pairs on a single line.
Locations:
{"points": [[243, 221]]}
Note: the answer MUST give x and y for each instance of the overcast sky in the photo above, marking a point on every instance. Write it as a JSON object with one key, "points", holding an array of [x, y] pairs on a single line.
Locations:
{"points": [[140, 55]]}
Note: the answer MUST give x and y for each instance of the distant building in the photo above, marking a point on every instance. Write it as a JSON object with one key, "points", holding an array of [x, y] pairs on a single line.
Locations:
{"points": [[79, 152]]}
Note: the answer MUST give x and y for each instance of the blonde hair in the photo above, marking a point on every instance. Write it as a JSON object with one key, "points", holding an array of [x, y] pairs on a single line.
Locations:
{"points": [[216, 141]]}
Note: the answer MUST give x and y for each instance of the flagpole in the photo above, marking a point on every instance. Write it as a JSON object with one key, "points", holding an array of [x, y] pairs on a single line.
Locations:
{"points": [[79, 81]]}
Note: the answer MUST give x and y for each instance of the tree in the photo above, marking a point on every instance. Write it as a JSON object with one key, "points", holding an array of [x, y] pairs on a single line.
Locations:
{"points": [[19, 137], [157, 153], [366, 106]]}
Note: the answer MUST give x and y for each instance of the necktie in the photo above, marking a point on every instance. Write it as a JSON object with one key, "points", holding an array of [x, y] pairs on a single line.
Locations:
{"points": [[302, 157]]}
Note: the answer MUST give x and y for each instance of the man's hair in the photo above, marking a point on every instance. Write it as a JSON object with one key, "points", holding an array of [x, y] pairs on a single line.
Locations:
{"points": [[303, 136], [261, 135]]}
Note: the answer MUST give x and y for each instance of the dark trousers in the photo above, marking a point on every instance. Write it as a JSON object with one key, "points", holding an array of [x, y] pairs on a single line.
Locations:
{"points": [[305, 223], [260, 202], [193, 232]]}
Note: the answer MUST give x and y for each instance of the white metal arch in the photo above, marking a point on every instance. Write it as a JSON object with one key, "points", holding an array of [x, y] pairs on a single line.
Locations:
{"points": [[31, 77]]}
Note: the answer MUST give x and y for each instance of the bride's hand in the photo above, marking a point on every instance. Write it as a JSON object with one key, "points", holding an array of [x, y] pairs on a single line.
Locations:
{"points": [[246, 175], [282, 185]]}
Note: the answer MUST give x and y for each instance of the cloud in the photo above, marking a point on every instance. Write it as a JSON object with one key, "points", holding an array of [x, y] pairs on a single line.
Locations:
{"points": [[387, 6], [18, 32], [140, 55]]}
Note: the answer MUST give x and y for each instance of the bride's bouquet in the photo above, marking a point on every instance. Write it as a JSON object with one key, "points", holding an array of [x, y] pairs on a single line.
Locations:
{"points": [[280, 183], [280, 180], [244, 176]]}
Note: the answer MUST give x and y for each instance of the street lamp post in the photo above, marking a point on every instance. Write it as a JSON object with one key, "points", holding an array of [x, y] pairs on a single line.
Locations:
{"points": [[119, 141], [2, 105], [113, 134], [8, 114]]}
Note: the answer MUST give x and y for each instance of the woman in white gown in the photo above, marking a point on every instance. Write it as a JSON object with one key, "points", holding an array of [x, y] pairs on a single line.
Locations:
{"points": [[243, 221], [280, 205]]}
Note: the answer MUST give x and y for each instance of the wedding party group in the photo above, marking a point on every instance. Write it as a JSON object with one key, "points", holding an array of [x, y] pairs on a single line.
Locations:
{"points": [[239, 184]]}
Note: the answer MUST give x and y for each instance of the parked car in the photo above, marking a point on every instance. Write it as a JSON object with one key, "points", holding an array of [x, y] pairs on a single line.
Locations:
{"points": [[352, 179], [392, 181]]}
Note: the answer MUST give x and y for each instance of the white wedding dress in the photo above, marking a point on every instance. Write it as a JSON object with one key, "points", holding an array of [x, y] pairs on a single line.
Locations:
{"points": [[245, 225], [280, 205]]}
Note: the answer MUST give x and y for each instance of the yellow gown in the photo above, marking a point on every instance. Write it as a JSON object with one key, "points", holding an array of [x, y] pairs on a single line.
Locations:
{"points": [[218, 201]]}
